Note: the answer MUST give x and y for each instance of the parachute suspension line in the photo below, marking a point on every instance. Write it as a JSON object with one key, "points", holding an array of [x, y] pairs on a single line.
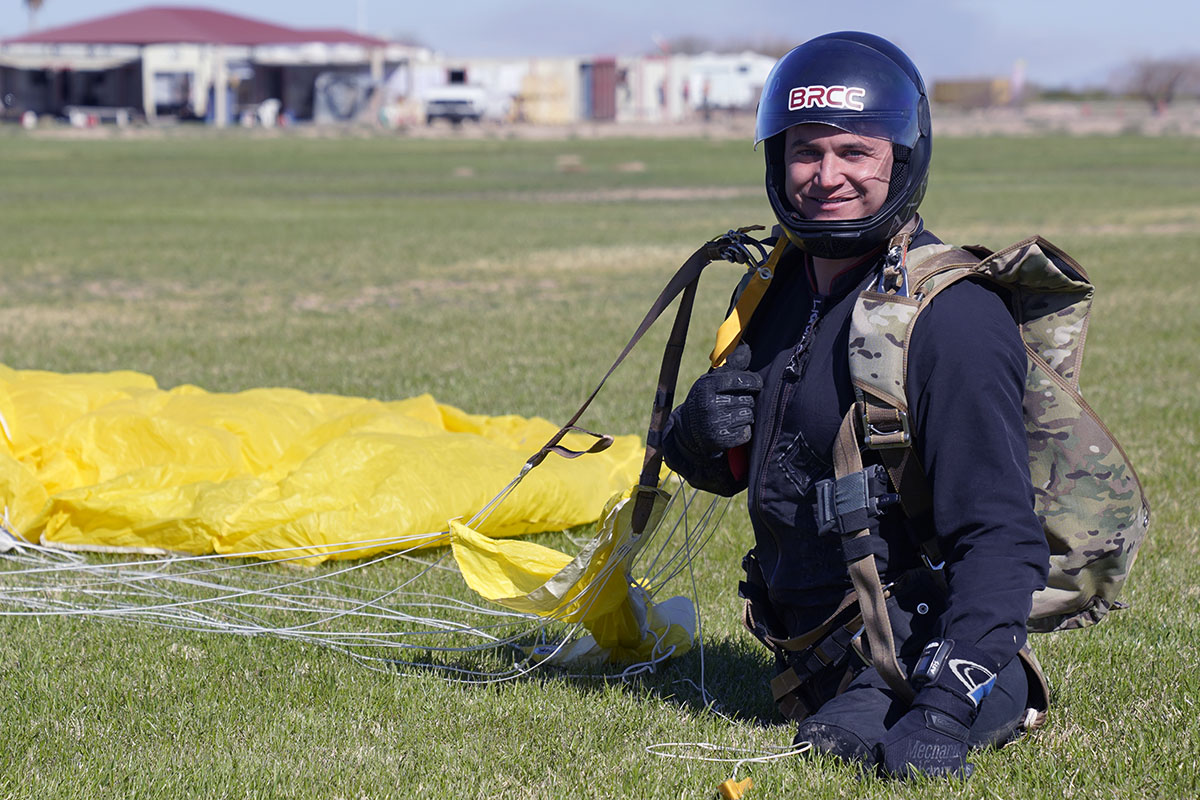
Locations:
{"points": [[281, 632], [685, 497], [703, 529], [227, 594], [730, 788], [764, 755], [707, 699], [482, 514], [158, 573], [80, 563], [681, 496], [340, 608], [583, 601]]}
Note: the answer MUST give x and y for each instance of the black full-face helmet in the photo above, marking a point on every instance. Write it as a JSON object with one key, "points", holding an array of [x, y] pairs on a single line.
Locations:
{"points": [[862, 84]]}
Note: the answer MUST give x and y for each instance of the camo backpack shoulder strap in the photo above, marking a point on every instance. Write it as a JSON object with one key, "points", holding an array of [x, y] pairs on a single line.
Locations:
{"points": [[1087, 495], [883, 318]]}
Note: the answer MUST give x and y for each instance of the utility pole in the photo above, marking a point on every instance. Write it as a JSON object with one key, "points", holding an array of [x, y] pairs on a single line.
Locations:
{"points": [[34, 7]]}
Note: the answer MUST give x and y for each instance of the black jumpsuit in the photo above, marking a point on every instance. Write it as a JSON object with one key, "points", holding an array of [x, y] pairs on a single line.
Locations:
{"points": [[965, 388]]}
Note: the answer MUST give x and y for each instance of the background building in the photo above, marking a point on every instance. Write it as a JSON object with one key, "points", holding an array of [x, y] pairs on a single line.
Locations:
{"points": [[188, 62], [169, 63]]}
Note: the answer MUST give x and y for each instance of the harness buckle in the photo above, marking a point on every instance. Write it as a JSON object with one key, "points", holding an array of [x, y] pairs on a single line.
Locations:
{"points": [[893, 278], [735, 246], [877, 438]]}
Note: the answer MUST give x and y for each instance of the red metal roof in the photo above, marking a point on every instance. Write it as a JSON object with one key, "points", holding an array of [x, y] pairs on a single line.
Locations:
{"points": [[186, 25], [339, 36]]}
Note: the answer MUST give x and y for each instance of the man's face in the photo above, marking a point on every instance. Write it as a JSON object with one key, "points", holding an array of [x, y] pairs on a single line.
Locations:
{"points": [[834, 175]]}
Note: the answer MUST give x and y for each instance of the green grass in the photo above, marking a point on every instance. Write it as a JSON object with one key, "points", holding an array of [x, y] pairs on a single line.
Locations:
{"points": [[486, 274]]}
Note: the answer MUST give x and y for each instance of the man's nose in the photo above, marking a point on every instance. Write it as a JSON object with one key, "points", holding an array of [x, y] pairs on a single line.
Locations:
{"points": [[829, 173]]}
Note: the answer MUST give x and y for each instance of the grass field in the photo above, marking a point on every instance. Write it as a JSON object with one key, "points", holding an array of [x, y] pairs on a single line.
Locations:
{"points": [[503, 277]]}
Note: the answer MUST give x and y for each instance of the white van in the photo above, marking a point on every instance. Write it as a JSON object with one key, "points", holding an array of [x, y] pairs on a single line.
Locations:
{"points": [[455, 103]]}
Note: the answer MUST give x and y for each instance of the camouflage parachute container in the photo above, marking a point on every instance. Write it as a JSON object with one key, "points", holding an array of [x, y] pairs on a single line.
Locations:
{"points": [[1087, 495]]}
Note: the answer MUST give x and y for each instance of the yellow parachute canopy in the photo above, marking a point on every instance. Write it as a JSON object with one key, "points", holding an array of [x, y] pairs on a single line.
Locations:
{"points": [[110, 462]]}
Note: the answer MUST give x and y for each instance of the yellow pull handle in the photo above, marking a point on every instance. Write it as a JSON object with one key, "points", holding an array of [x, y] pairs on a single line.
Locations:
{"points": [[733, 790]]}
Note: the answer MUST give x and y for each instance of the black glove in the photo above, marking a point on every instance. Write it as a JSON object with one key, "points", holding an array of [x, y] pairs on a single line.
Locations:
{"points": [[931, 739], [718, 413]]}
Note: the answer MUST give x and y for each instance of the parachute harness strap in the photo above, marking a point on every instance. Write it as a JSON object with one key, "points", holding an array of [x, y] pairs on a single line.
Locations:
{"points": [[864, 575], [735, 245], [754, 286]]}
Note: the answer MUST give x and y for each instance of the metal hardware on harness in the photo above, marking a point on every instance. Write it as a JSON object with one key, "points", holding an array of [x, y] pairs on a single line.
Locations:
{"points": [[878, 439], [735, 246], [848, 504], [856, 646], [875, 437], [894, 277]]}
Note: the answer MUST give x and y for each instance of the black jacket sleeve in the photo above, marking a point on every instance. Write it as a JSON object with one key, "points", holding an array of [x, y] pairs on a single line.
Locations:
{"points": [[966, 379]]}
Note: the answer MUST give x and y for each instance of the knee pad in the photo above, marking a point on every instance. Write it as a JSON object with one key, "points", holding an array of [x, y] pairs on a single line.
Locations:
{"points": [[835, 740]]}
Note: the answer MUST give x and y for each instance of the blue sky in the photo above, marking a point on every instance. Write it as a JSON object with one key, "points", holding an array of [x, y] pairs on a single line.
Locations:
{"points": [[1062, 42]]}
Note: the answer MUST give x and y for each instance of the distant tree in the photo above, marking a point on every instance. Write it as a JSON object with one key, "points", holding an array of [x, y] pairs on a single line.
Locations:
{"points": [[1161, 81], [766, 47], [407, 38], [690, 45], [34, 6]]}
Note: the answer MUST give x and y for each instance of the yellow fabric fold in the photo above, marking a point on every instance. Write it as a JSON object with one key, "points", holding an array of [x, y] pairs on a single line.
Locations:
{"points": [[594, 588], [111, 462]]}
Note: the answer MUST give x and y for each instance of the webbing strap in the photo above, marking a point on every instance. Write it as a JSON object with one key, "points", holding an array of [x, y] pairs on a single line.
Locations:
{"points": [[890, 434], [687, 274], [731, 246], [664, 399], [793, 689], [887, 428], [788, 689], [865, 576], [730, 332], [846, 614]]}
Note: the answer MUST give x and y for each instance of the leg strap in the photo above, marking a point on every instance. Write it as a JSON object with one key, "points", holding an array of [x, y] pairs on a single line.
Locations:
{"points": [[795, 689]]}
